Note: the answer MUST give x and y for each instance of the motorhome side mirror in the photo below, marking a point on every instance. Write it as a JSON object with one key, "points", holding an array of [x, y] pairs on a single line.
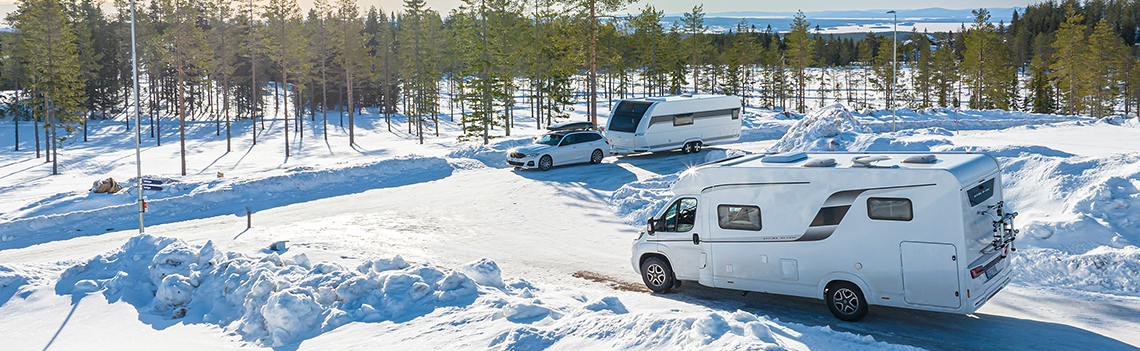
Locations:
{"points": [[649, 226]]}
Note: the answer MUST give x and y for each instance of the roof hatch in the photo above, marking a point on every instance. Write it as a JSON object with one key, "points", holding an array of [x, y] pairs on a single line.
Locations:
{"points": [[785, 157]]}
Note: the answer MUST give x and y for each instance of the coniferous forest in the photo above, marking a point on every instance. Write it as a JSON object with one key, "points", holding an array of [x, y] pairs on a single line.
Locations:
{"points": [[66, 62]]}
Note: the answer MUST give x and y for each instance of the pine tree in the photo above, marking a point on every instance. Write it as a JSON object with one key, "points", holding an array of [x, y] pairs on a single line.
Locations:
{"points": [[694, 24], [1066, 70], [1106, 68], [351, 52], [800, 55], [53, 63], [281, 16], [1040, 98], [986, 65]]}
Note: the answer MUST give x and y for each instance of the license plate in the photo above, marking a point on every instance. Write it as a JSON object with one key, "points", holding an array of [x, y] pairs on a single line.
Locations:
{"points": [[992, 271]]}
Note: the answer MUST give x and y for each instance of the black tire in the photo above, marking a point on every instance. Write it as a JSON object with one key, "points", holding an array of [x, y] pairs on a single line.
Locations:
{"points": [[696, 148], [846, 301], [597, 156], [545, 163], [687, 148], [657, 275]]}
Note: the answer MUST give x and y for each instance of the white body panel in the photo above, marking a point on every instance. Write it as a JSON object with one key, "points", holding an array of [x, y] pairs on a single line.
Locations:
{"points": [[665, 124], [560, 155], [804, 242]]}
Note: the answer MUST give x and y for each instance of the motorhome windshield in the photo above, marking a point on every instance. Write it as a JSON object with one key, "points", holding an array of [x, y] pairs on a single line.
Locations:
{"points": [[628, 115], [549, 139]]}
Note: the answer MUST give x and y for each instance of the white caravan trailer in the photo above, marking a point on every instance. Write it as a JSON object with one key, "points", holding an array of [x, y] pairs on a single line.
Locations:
{"points": [[919, 231], [687, 122]]}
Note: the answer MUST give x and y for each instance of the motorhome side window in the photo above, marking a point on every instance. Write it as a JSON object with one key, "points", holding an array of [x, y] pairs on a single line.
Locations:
{"points": [[738, 217], [890, 209], [685, 119], [735, 113], [680, 216]]}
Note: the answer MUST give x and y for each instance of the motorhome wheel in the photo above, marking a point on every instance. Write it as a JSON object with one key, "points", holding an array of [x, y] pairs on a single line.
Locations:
{"points": [[545, 162], [596, 158], [846, 301], [657, 275]]}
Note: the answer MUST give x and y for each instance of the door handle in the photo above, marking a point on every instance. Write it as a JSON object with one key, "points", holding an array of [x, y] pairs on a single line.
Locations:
{"points": [[696, 239]]}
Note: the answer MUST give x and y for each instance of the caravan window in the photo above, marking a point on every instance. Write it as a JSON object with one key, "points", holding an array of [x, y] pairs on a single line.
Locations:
{"points": [[738, 217], [890, 209], [627, 115], [681, 120]]}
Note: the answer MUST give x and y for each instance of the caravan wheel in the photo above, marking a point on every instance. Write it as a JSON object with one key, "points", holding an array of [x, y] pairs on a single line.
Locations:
{"points": [[845, 301], [696, 147], [687, 148], [657, 274]]}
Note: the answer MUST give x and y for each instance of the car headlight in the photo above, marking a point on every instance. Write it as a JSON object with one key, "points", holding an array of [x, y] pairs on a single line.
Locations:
{"points": [[530, 155]]}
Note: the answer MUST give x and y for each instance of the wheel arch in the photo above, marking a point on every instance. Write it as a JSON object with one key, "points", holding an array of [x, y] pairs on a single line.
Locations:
{"points": [[835, 277], [647, 255]]}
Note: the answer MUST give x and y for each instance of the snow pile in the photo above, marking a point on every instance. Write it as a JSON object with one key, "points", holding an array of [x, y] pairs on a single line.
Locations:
{"points": [[924, 139], [277, 301], [218, 196], [1103, 269], [1074, 203], [830, 128], [491, 155], [271, 300], [634, 202]]}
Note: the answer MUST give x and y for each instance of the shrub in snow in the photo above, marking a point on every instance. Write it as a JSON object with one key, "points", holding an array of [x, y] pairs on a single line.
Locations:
{"points": [[827, 129]]}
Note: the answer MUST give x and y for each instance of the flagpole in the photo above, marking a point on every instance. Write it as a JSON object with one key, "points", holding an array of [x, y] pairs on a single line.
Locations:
{"points": [[138, 134]]}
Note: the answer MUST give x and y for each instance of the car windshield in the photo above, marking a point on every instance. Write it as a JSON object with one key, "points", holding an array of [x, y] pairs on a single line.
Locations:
{"points": [[549, 139]]}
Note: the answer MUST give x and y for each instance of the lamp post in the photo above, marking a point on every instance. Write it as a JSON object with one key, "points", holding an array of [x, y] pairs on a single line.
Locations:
{"points": [[138, 134], [894, 67]]}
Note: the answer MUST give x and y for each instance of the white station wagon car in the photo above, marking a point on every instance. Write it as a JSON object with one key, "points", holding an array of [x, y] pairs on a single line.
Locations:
{"points": [[566, 143]]}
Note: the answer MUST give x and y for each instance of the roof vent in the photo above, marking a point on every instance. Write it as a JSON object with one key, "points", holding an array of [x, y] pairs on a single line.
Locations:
{"points": [[687, 95], [820, 162], [868, 161], [923, 159], [786, 157]]}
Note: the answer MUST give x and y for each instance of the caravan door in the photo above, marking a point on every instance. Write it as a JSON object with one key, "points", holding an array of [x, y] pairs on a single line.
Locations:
{"points": [[675, 233]]}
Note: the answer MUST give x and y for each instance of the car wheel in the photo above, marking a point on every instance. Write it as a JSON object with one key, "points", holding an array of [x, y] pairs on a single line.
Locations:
{"points": [[596, 157], [845, 301], [687, 148], [657, 275], [696, 147], [545, 163]]}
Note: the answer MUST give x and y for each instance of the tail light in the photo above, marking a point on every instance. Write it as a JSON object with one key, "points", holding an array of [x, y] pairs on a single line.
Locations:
{"points": [[976, 271]]}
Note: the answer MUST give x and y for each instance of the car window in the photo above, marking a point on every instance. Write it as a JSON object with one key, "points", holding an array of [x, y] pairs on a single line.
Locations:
{"points": [[670, 218], [549, 139], [570, 140], [593, 136]]}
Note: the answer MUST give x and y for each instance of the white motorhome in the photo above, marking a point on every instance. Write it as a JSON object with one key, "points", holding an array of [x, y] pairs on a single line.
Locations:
{"points": [[919, 231], [687, 122]]}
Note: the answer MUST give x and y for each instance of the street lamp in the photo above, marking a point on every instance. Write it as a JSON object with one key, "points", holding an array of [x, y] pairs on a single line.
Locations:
{"points": [[138, 134], [894, 67]]}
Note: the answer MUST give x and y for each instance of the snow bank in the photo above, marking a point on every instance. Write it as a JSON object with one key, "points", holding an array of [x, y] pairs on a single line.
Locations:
{"points": [[280, 301], [827, 129], [181, 201], [634, 202], [270, 300], [491, 155], [881, 121], [1102, 270]]}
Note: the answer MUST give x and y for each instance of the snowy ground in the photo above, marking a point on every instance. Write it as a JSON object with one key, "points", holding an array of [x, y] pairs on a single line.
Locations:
{"points": [[73, 274]]}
